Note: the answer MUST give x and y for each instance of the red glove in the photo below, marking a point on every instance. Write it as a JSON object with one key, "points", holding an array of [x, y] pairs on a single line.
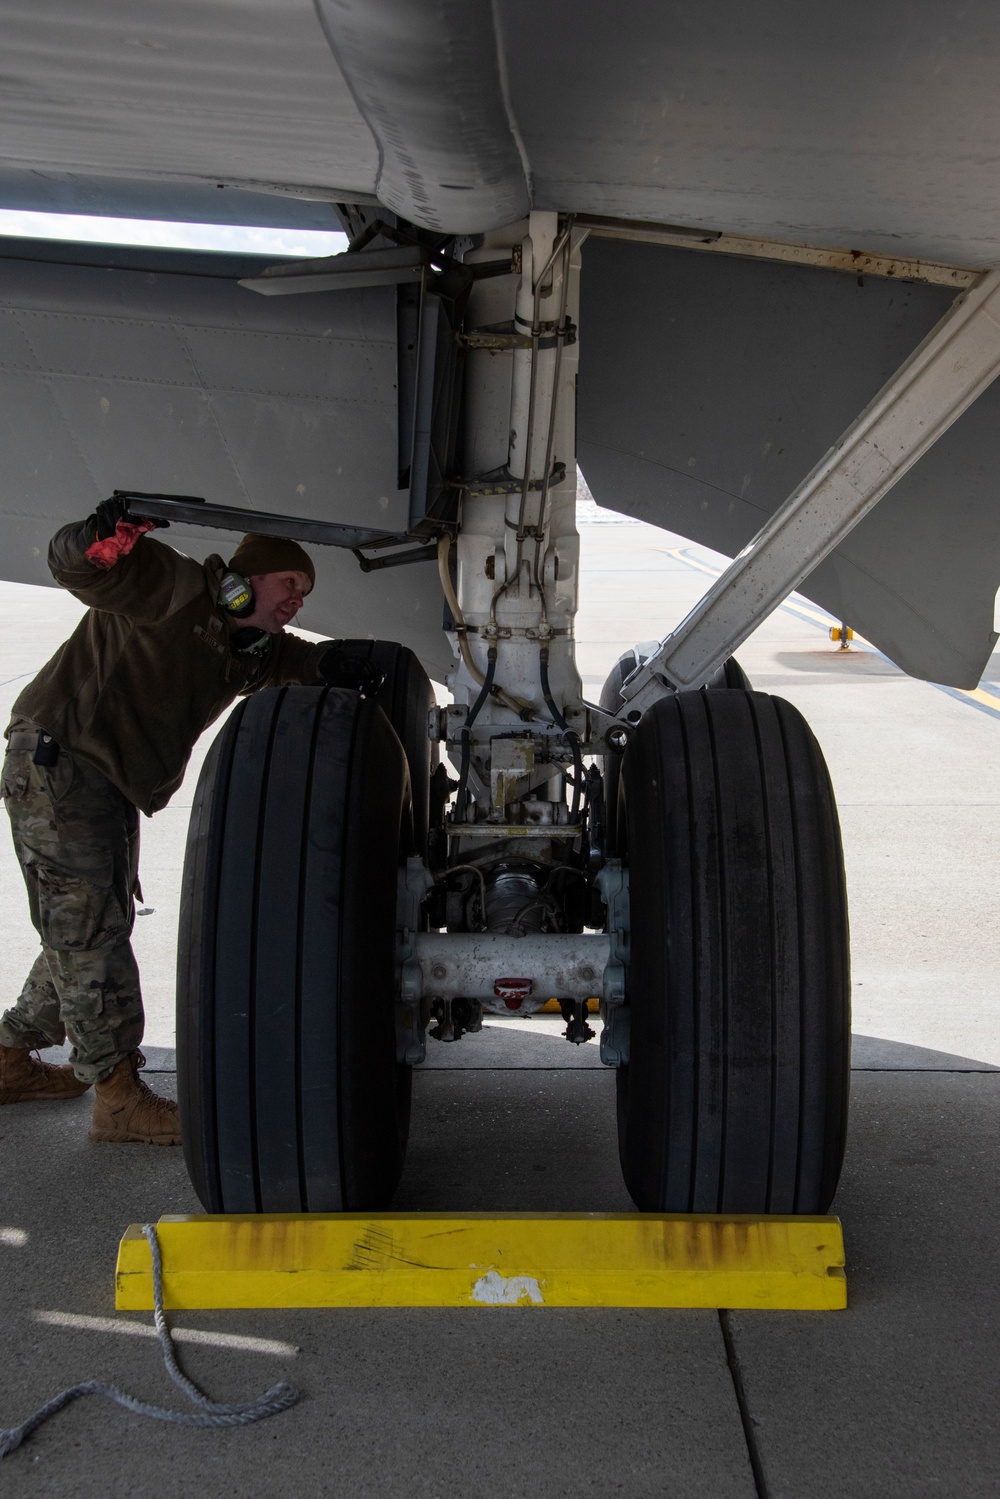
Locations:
{"points": [[105, 552]]}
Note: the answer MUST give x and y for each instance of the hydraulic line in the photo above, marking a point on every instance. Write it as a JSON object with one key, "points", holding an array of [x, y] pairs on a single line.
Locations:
{"points": [[562, 247], [469, 869], [461, 797], [560, 243], [550, 437], [559, 719], [462, 630], [557, 248]]}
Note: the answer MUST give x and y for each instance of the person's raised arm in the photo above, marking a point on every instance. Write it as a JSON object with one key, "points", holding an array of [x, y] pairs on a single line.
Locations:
{"points": [[294, 660], [105, 563]]}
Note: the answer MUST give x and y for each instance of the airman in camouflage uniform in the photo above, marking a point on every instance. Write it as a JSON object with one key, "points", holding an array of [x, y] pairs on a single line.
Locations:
{"points": [[104, 730], [77, 841]]}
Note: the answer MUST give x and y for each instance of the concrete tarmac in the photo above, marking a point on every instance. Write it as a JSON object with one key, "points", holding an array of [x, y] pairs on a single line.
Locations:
{"points": [[894, 1397]]}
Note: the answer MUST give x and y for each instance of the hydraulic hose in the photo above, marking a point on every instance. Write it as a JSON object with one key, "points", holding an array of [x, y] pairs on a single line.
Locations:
{"points": [[566, 243], [461, 798], [570, 736], [557, 248], [461, 629]]}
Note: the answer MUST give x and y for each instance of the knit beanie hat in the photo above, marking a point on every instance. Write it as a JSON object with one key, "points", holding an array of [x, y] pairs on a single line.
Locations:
{"points": [[271, 554]]}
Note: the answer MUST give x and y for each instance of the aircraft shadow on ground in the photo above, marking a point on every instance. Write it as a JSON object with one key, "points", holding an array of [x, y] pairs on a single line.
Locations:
{"points": [[875, 1054], [853, 663], [496, 1048]]}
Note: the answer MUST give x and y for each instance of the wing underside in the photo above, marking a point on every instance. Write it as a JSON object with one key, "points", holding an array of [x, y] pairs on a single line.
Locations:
{"points": [[709, 385]]}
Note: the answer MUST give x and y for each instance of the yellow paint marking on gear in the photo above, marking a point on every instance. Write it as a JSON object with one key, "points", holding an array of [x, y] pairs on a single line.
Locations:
{"points": [[470, 1259]]}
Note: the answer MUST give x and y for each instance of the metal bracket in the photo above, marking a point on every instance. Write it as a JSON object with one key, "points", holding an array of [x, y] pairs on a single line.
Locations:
{"points": [[500, 337], [612, 883], [415, 882], [504, 483], [192, 510], [346, 272], [427, 551], [605, 731]]}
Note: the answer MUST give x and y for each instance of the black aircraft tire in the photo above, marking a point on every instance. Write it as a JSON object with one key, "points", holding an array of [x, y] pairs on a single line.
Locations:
{"points": [[734, 1099], [291, 1096], [729, 674], [406, 697]]}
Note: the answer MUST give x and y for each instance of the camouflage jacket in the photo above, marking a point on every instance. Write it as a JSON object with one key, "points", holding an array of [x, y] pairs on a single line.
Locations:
{"points": [[149, 666]]}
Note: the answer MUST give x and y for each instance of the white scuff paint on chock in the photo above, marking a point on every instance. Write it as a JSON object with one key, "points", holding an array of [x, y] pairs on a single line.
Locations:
{"points": [[15, 1237], [493, 1289]]}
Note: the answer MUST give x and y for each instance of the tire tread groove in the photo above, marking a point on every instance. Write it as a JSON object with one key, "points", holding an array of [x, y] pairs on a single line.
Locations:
{"points": [[254, 926]]}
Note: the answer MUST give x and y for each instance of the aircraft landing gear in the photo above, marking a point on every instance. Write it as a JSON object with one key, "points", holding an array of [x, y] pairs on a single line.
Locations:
{"points": [[339, 911]]}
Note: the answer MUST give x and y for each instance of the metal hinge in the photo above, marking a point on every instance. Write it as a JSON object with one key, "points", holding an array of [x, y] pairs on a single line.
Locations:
{"points": [[498, 337], [504, 483]]}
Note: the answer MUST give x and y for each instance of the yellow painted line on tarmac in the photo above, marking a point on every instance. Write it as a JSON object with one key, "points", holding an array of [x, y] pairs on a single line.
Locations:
{"points": [[799, 607], [481, 1260], [981, 695], [703, 567]]}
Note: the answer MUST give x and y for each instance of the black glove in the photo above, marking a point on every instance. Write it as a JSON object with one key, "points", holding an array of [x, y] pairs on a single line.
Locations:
{"points": [[249, 640], [346, 669], [110, 512]]}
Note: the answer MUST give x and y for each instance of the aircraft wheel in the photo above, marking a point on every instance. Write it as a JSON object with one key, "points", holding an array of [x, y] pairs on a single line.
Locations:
{"points": [[291, 1096], [729, 674], [735, 1095], [406, 697]]}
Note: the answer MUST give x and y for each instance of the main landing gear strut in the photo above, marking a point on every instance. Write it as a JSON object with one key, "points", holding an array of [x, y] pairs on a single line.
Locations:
{"points": [[348, 902]]}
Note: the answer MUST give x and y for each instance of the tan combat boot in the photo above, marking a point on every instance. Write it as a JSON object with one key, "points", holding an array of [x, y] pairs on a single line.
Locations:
{"points": [[126, 1112], [24, 1078]]}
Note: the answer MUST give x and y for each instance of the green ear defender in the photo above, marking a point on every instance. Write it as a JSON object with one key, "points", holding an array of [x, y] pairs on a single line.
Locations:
{"points": [[236, 595]]}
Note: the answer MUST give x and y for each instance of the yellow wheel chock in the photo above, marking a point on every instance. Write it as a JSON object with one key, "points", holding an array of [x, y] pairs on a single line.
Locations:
{"points": [[479, 1259]]}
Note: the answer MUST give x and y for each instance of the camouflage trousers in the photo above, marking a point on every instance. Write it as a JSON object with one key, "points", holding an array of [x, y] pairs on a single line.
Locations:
{"points": [[77, 841]]}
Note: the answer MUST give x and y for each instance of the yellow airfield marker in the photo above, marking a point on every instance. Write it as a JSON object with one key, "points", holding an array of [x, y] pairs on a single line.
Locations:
{"points": [[981, 695], [474, 1260]]}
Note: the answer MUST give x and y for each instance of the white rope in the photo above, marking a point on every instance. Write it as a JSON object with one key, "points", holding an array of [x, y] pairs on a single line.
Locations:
{"points": [[211, 1413]]}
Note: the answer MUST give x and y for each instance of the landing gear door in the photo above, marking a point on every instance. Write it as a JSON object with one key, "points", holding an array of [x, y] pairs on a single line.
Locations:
{"points": [[154, 370], [430, 385]]}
